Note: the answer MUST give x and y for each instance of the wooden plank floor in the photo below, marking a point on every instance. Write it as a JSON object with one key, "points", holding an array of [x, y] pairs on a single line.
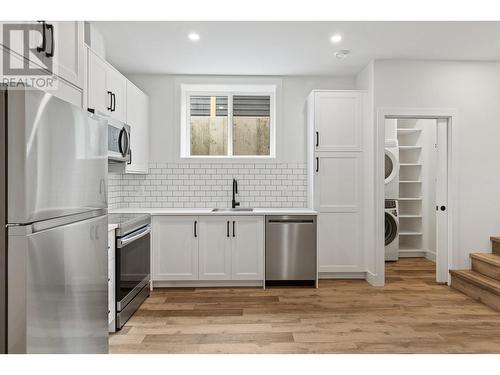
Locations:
{"points": [[411, 314]]}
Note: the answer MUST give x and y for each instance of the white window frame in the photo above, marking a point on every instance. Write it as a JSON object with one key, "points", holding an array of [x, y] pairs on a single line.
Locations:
{"points": [[188, 90]]}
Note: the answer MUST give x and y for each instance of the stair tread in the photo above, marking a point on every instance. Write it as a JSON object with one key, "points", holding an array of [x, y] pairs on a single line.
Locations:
{"points": [[495, 239], [478, 279], [489, 258]]}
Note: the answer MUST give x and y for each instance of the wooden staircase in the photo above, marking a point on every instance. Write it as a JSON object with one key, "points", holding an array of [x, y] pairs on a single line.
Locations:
{"points": [[482, 282]]}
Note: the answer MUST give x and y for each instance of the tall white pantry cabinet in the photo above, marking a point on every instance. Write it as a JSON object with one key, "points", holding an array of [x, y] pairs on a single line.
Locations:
{"points": [[336, 122]]}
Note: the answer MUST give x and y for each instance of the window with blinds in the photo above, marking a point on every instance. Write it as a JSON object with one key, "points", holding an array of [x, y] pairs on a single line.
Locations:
{"points": [[236, 124], [251, 120]]}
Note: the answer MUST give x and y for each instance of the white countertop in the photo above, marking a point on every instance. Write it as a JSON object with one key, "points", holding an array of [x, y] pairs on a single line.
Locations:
{"points": [[208, 211]]}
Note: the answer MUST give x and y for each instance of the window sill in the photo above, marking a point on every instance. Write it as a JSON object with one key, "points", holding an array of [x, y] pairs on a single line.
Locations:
{"points": [[229, 159]]}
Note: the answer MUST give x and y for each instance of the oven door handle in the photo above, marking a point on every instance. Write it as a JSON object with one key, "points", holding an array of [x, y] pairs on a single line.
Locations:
{"points": [[124, 241]]}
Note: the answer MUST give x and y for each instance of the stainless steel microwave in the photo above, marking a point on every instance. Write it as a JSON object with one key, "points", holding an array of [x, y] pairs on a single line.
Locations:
{"points": [[119, 142]]}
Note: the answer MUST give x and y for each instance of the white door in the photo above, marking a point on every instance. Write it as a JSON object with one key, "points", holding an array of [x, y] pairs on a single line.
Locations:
{"points": [[175, 248], [247, 250], [214, 248], [68, 50], [137, 118], [337, 121], [97, 97], [116, 84], [442, 202]]}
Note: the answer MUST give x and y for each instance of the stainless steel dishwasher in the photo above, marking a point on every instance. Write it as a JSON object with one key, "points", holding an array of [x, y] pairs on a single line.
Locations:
{"points": [[291, 250]]}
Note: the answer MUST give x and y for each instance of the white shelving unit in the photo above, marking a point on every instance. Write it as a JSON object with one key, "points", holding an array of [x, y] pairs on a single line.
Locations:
{"points": [[410, 189]]}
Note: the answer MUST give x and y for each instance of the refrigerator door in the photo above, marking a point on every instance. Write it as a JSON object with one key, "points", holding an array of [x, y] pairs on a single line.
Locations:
{"points": [[57, 158], [58, 288], [3, 239]]}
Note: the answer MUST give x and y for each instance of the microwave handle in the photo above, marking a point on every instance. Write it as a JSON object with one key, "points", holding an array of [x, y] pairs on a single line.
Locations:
{"points": [[124, 149], [127, 138]]}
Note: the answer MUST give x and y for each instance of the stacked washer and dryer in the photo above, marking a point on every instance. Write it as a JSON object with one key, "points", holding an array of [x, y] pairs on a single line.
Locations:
{"points": [[391, 191]]}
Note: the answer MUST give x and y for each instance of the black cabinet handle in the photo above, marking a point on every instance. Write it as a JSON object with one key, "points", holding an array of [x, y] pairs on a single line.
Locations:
{"points": [[227, 233], [317, 139], [195, 231], [130, 157], [234, 234], [44, 39], [317, 164], [110, 94], [443, 208], [114, 102], [51, 53]]}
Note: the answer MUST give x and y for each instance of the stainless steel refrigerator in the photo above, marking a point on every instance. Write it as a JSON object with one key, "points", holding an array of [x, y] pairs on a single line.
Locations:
{"points": [[53, 248]]}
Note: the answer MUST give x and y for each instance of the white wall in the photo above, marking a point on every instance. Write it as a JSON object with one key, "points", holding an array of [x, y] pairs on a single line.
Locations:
{"points": [[365, 81], [473, 89], [164, 95], [176, 182], [429, 169]]}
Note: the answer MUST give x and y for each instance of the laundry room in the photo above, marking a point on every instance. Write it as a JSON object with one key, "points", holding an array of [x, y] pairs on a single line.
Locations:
{"points": [[415, 176]]}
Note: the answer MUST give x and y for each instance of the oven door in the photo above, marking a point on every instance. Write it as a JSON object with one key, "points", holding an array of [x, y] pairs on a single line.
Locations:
{"points": [[132, 265], [118, 142]]}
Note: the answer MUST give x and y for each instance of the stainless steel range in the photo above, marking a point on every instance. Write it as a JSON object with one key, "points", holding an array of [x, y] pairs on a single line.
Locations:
{"points": [[133, 273]]}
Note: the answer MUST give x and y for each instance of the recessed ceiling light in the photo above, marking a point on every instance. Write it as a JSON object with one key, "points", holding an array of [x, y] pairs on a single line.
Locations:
{"points": [[194, 37], [335, 38], [342, 54]]}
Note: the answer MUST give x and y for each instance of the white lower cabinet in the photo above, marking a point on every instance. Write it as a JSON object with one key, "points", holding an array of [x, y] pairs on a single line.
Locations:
{"points": [[207, 247], [214, 248], [339, 242], [175, 248], [247, 250]]}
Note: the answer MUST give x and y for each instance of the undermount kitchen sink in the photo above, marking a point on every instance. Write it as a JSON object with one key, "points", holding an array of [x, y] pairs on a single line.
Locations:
{"points": [[237, 209]]}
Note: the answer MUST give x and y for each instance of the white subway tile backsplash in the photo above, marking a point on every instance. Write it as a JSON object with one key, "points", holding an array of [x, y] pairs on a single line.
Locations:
{"points": [[175, 185]]}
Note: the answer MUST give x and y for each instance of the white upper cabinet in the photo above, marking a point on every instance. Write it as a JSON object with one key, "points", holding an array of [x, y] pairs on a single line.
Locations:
{"points": [[137, 117], [175, 248], [116, 86], [337, 120], [214, 248], [56, 47], [247, 250], [97, 97], [106, 89], [68, 50]]}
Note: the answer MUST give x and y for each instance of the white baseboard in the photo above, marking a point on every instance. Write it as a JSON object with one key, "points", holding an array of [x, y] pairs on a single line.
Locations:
{"points": [[208, 283], [412, 253], [431, 255], [342, 275], [418, 253]]}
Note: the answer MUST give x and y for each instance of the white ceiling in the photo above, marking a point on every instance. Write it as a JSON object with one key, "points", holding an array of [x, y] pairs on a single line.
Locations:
{"points": [[289, 48]]}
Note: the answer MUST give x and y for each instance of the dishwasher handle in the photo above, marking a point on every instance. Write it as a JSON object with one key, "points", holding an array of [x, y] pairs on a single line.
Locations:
{"points": [[291, 221], [124, 241]]}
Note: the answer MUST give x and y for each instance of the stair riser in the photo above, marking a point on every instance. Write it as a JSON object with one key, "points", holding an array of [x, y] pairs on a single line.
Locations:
{"points": [[479, 294], [486, 269], [495, 246]]}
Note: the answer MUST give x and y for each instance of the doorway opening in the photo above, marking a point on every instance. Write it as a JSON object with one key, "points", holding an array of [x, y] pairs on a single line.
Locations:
{"points": [[416, 163]]}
